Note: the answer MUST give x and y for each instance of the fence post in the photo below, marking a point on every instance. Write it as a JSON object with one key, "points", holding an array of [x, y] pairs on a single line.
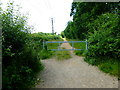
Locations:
{"points": [[86, 45]]}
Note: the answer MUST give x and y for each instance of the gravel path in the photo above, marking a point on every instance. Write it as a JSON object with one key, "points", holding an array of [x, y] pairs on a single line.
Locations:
{"points": [[74, 73]]}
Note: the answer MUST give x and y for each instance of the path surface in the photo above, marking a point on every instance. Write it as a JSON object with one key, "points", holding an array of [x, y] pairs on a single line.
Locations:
{"points": [[74, 73]]}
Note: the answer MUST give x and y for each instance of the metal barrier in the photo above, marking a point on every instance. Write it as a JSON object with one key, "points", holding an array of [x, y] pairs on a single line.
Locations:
{"points": [[46, 42]]}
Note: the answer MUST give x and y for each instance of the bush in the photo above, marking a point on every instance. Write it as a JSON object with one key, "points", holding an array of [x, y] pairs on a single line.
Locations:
{"points": [[104, 42], [20, 59], [79, 52], [38, 39], [46, 54]]}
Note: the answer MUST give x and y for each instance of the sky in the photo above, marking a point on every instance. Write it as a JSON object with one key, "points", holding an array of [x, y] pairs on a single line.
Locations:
{"points": [[41, 11]]}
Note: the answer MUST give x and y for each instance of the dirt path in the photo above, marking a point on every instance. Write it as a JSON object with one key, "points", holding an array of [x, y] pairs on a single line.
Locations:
{"points": [[74, 73]]}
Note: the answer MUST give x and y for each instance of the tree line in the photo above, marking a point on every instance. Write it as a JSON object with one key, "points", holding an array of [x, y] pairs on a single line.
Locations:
{"points": [[84, 14], [99, 22]]}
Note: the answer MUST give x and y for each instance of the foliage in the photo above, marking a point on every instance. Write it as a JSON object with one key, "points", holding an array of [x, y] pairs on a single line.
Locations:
{"points": [[79, 53], [45, 36], [104, 43], [46, 54], [100, 25], [22, 50], [110, 67], [105, 39], [39, 38], [62, 34], [69, 32], [82, 16], [21, 61]]}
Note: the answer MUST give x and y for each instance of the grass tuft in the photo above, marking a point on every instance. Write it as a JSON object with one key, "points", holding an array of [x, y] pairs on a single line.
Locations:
{"points": [[109, 67]]}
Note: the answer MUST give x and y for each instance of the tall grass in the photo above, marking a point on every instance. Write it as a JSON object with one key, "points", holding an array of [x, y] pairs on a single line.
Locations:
{"points": [[109, 67], [105, 64]]}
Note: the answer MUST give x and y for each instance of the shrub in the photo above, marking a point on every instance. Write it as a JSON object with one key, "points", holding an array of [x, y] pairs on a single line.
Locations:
{"points": [[20, 59], [104, 43], [105, 40]]}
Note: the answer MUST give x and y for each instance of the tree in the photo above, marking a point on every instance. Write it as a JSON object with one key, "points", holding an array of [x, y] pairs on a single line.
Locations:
{"points": [[85, 13]]}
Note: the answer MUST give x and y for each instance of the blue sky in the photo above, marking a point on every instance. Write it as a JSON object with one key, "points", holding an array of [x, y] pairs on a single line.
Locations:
{"points": [[41, 11]]}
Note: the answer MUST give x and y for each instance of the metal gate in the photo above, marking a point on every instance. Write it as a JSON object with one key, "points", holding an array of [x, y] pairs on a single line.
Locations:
{"points": [[46, 42]]}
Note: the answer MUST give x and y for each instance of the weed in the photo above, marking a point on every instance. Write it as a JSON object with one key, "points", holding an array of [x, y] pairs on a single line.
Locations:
{"points": [[110, 67]]}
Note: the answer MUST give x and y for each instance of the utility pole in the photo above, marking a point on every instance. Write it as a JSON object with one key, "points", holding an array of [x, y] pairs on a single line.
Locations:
{"points": [[52, 26]]}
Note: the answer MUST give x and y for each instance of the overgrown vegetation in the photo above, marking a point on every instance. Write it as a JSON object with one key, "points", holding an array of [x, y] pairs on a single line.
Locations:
{"points": [[21, 61], [82, 16], [100, 25], [21, 50], [104, 43], [39, 38]]}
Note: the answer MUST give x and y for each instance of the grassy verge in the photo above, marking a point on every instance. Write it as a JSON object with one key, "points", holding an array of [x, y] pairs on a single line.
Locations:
{"points": [[106, 65], [81, 45], [109, 67]]}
